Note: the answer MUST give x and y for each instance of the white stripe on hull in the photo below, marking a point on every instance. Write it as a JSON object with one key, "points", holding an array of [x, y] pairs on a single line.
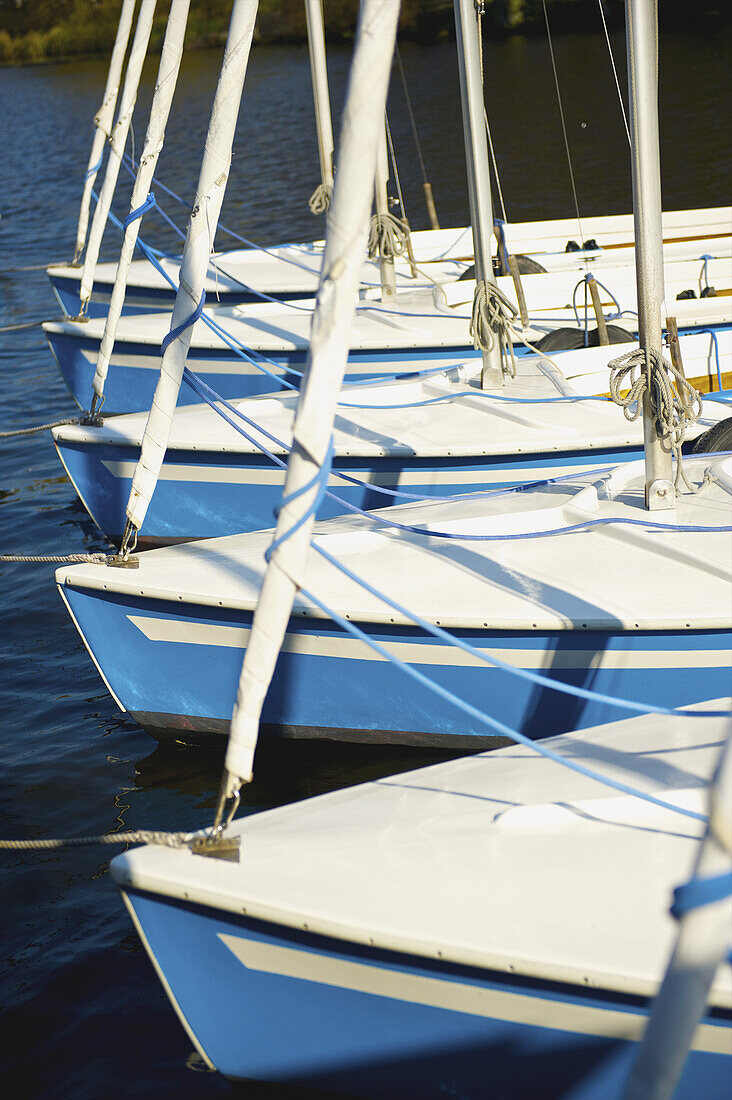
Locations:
{"points": [[517, 1008], [243, 475], [326, 645]]}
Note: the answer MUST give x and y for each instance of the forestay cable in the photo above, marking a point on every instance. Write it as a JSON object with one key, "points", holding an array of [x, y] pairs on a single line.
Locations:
{"points": [[103, 121], [117, 142]]}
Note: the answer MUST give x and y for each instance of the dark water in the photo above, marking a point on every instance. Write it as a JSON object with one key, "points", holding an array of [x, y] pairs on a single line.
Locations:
{"points": [[82, 1013]]}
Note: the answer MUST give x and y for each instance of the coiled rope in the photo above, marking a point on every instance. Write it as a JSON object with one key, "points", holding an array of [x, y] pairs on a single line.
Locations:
{"points": [[41, 427], [319, 201], [136, 836], [387, 236], [492, 318], [675, 404]]}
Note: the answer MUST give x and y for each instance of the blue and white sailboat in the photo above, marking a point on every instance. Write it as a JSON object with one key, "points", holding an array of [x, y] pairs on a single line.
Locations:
{"points": [[246, 350], [433, 436], [470, 928], [486, 923]]}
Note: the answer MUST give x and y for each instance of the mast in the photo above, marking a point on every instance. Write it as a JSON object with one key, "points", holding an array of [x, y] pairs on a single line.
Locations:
{"points": [[212, 180], [476, 160], [363, 122], [381, 202], [321, 99], [641, 23]]}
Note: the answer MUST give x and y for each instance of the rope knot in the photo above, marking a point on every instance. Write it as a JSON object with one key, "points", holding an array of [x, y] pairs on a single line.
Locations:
{"points": [[675, 404], [387, 236], [492, 317], [319, 201]]}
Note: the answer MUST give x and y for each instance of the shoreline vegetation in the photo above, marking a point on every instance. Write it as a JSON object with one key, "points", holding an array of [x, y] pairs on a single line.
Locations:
{"points": [[37, 31]]}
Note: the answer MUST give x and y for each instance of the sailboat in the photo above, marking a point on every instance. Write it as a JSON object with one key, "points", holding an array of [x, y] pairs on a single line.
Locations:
{"points": [[470, 928], [568, 582], [432, 436]]}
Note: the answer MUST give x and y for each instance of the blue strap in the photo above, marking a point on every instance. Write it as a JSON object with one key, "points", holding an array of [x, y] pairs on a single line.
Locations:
{"points": [[95, 168], [179, 329], [319, 478], [135, 214], [699, 892]]}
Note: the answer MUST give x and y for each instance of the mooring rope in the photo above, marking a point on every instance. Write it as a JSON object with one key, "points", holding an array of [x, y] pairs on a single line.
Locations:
{"points": [[41, 427], [135, 836], [675, 404], [61, 559], [31, 324]]}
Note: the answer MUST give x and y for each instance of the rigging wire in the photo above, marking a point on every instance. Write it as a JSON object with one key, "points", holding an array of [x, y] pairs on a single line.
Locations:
{"points": [[561, 115], [615, 71]]}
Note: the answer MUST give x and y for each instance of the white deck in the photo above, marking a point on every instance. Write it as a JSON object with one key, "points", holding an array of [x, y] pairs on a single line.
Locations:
{"points": [[437, 317], [295, 268], [503, 860], [468, 422], [612, 577]]}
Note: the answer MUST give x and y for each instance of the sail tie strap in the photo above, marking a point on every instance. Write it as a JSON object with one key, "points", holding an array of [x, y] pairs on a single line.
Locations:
{"points": [[699, 892], [181, 328], [141, 209], [319, 201], [319, 479], [675, 404], [95, 168]]}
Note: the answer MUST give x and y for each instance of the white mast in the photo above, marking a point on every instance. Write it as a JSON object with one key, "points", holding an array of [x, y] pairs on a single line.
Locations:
{"points": [[381, 202], [320, 198], [103, 120], [204, 219], [641, 22], [476, 159], [363, 121], [117, 142], [170, 59]]}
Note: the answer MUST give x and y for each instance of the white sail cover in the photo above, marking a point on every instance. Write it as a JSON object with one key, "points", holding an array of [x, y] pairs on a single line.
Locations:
{"points": [[117, 142], [159, 111], [348, 217], [204, 219], [103, 120]]}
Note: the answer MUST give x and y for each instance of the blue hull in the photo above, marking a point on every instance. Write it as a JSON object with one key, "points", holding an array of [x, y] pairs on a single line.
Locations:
{"points": [[130, 388], [201, 495], [175, 669], [268, 1003]]}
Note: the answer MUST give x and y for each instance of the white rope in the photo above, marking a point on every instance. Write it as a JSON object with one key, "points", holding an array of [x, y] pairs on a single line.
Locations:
{"points": [[675, 404], [41, 427], [387, 236], [319, 201], [492, 317], [136, 836], [73, 559]]}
